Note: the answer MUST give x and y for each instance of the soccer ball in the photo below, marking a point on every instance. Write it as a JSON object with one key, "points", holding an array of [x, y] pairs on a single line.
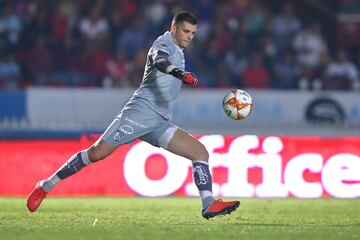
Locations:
{"points": [[237, 104]]}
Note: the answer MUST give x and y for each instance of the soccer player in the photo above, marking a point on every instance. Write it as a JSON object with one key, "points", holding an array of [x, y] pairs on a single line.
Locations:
{"points": [[147, 116]]}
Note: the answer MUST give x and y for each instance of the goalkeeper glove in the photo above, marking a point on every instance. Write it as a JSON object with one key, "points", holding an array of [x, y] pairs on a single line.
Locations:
{"points": [[188, 78]]}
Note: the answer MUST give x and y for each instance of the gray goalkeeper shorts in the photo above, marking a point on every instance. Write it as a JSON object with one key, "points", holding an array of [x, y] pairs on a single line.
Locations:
{"points": [[148, 126]]}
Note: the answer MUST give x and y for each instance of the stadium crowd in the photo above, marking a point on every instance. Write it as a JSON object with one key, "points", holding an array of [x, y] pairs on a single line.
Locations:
{"points": [[239, 43]]}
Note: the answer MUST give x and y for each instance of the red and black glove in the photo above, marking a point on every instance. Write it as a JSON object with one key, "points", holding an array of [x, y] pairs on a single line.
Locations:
{"points": [[188, 78]]}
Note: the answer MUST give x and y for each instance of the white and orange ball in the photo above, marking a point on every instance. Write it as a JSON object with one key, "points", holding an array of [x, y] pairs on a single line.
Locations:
{"points": [[237, 104]]}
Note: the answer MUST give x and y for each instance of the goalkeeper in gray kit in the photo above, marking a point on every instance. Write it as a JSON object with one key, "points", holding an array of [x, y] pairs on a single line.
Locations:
{"points": [[147, 116]]}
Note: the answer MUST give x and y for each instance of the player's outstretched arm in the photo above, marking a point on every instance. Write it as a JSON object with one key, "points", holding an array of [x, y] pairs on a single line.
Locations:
{"points": [[162, 63]]}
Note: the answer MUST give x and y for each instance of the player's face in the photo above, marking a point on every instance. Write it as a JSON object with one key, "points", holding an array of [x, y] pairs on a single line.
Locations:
{"points": [[183, 33]]}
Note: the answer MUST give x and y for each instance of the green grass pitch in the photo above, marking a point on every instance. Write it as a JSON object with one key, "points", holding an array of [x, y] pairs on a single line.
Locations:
{"points": [[179, 218]]}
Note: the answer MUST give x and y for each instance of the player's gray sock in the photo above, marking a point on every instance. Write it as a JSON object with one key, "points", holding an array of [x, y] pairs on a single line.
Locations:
{"points": [[203, 181], [72, 166], [50, 183]]}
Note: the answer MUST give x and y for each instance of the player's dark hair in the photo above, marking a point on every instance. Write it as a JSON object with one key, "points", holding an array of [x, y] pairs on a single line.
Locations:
{"points": [[184, 16]]}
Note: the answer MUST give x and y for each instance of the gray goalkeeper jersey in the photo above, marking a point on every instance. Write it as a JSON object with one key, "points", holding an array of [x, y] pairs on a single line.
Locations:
{"points": [[158, 90]]}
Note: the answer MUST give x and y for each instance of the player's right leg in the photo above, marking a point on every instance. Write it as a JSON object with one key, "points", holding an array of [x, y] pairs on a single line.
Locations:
{"points": [[183, 144], [75, 163]]}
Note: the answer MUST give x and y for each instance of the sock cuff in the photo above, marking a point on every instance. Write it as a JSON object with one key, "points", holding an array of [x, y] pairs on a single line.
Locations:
{"points": [[200, 162], [205, 194], [85, 157]]}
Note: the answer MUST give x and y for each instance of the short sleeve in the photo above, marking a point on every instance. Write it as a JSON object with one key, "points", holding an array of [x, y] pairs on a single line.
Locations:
{"points": [[161, 46]]}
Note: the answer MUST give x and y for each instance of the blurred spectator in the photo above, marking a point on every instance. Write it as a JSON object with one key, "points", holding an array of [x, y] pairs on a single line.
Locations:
{"points": [[256, 75], [255, 18], [268, 49], [136, 69], [127, 9], [208, 76], [341, 73], [38, 26], [10, 29], [210, 55], [68, 63], [285, 26], [285, 72], [116, 26], [226, 80], [26, 10], [349, 26], [97, 65], [349, 34], [117, 70], [133, 38], [69, 10], [204, 9], [221, 39], [60, 24], [94, 28], [310, 46], [349, 6], [10, 73], [156, 13], [236, 58], [40, 61]]}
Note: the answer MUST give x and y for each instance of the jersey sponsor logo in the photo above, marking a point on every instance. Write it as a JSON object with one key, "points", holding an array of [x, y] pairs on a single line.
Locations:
{"points": [[124, 129], [136, 123]]}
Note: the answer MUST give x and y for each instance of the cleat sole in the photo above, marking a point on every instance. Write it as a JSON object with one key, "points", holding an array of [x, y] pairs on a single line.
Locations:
{"points": [[227, 210]]}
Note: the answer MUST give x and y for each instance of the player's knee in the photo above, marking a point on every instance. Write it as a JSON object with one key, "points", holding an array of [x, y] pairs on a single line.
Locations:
{"points": [[100, 150], [95, 154]]}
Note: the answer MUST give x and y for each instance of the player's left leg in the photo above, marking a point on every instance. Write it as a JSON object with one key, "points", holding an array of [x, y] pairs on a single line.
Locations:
{"points": [[102, 148], [183, 144]]}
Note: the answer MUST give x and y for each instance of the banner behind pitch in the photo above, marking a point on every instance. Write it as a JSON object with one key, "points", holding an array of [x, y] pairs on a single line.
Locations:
{"points": [[244, 166]]}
